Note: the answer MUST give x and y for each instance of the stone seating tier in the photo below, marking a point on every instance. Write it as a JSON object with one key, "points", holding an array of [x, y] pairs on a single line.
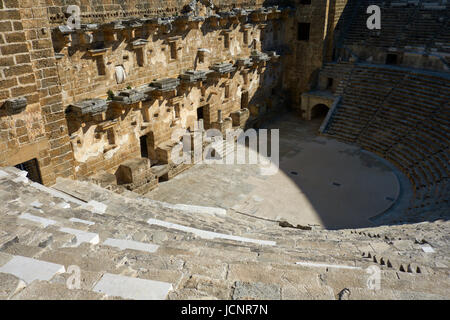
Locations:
{"points": [[124, 242]]}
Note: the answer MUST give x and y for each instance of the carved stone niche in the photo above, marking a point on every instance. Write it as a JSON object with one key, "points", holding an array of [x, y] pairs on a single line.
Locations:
{"points": [[242, 14], [259, 15], [63, 35], [14, 106], [132, 96], [201, 53], [196, 22], [273, 13], [131, 26], [213, 20], [112, 30]]}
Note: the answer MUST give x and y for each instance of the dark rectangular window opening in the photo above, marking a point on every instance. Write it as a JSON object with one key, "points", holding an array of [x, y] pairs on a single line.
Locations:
{"points": [[245, 37], [144, 148], [303, 31], [32, 167], [330, 83], [227, 41], [101, 68], [244, 99], [227, 91], [177, 111], [391, 58], [173, 50], [140, 57], [200, 113]]}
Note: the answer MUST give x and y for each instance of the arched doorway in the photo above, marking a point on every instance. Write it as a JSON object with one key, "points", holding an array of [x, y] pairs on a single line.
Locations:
{"points": [[319, 111]]}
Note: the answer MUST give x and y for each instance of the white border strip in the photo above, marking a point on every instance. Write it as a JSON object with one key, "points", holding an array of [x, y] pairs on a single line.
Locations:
{"points": [[208, 234], [324, 265]]}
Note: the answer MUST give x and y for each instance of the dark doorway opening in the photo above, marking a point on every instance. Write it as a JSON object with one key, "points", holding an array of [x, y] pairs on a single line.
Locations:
{"points": [[32, 167], [244, 99], [200, 113], [319, 111], [144, 148], [391, 58], [303, 31], [329, 83]]}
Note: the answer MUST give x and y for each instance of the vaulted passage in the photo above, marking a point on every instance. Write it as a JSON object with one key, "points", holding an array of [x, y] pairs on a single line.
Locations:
{"points": [[319, 111]]}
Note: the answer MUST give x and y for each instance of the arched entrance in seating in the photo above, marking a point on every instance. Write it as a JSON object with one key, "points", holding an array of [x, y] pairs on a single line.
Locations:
{"points": [[319, 111], [315, 104]]}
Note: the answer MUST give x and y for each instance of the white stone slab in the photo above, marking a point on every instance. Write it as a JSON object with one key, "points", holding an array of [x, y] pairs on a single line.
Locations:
{"points": [[89, 223], [208, 234], [132, 288], [427, 248], [200, 209], [324, 265], [95, 206], [3, 174], [36, 204], [82, 236], [43, 221], [57, 193], [21, 179], [64, 205], [130, 244], [29, 269]]}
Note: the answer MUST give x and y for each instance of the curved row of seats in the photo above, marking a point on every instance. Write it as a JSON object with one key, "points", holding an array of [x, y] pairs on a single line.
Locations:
{"points": [[42, 235], [404, 116], [419, 26]]}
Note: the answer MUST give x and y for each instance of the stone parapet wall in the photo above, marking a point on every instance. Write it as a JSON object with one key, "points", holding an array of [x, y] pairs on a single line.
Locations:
{"points": [[38, 129]]}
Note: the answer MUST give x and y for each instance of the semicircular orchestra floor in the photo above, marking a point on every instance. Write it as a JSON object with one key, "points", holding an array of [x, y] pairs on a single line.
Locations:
{"points": [[320, 181]]}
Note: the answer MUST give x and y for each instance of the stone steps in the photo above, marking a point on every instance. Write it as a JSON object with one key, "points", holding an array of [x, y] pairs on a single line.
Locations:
{"points": [[122, 252]]}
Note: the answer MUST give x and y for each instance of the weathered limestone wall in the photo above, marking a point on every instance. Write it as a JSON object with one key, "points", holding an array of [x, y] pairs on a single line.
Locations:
{"points": [[81, 79], [34, 127], [309, 55], [149, 52], [54, 68]]}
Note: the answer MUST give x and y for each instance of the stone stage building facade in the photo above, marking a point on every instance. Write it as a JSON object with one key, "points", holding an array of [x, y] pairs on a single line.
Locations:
{"points": [[81, 100]]}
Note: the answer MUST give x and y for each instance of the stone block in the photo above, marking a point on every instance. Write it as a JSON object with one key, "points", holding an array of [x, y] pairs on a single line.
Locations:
{"points": [[130, 96], [166, 84], [130, 244], [130, 170], [256, 291], [82, 236], [29, 269], [132, 288], [224, 67]]}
